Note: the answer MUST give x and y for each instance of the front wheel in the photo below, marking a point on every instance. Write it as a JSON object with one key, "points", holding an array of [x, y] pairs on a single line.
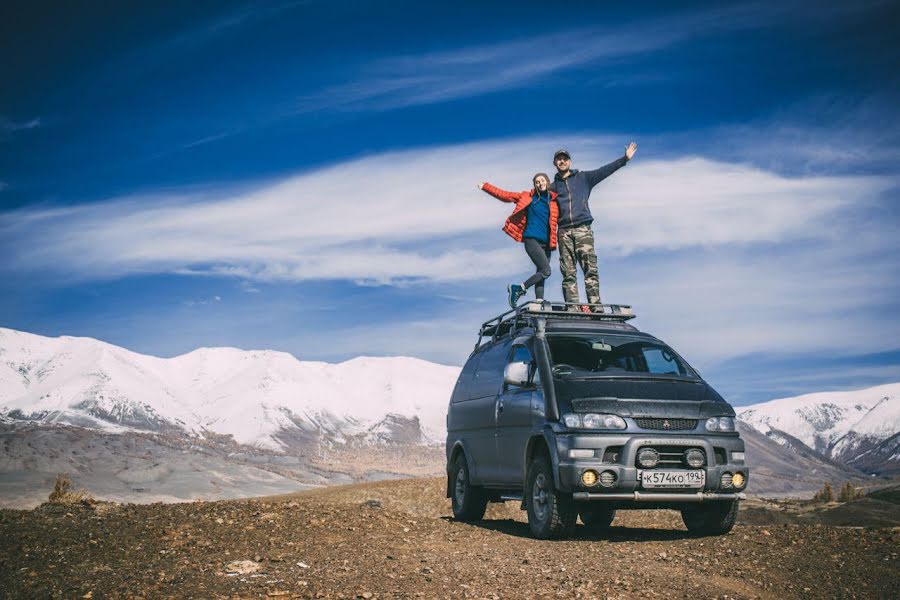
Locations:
{"points": [[714, 518], [469, 501], [551, 513]]}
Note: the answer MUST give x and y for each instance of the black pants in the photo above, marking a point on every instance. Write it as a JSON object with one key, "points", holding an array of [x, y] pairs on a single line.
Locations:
{"points": [[539, 254]]}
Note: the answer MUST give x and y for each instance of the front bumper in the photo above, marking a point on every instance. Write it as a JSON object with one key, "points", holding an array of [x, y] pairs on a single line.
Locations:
{"points": [[628, 476]]}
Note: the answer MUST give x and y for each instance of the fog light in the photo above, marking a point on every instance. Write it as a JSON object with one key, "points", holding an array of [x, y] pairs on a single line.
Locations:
{"points": [[738, 480], [727, 480], [589, 478], [647, 458], [581, 453], [607, 478], [694, 458]]}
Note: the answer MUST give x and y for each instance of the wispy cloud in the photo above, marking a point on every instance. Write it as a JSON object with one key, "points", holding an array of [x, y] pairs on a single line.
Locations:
{"points": [[8, 125], [432, 77]]}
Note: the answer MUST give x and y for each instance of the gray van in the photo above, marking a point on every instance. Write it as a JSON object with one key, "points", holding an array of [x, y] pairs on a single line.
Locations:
{"points": [[581, 414]]}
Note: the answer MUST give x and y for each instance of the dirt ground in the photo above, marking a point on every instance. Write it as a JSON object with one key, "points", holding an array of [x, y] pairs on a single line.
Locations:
{"points": [[397, 539]]}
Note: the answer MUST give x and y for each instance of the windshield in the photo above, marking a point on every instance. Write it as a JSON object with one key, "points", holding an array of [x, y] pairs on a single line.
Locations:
{"points": [[587, 355]]}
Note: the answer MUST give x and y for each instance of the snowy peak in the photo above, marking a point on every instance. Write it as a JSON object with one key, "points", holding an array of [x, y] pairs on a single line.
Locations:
{"points": [[840, 425], [262, 398]]}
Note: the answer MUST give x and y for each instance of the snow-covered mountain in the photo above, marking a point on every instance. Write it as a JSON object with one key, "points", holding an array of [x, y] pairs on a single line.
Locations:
{"points": [[860, 428], [265, 399]]}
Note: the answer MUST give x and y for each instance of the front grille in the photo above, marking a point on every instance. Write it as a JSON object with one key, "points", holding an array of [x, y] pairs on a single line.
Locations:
{"points": [[667, 424], [672, 457]]}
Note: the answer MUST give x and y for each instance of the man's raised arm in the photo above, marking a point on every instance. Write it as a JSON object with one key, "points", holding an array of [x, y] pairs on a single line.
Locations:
{"points": [[597, 175]]}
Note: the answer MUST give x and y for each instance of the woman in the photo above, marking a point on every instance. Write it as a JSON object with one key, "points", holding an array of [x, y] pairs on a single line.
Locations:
{"points": [[532, 222]]}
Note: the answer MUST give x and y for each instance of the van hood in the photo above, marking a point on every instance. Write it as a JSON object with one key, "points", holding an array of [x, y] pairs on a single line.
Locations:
{"points": [[642, 398]]}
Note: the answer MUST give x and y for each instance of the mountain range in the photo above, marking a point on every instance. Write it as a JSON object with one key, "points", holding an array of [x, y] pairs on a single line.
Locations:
{"points": [[223, 422], [859, 428], [262, 399]]}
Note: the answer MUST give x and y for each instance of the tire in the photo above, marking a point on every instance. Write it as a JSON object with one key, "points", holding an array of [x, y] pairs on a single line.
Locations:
{"points": [[597, 518], [714, 518], [551, 514], [469, 501]]}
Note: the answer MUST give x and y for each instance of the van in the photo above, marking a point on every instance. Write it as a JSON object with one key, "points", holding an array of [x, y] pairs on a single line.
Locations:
{"points": [[581, 414]]}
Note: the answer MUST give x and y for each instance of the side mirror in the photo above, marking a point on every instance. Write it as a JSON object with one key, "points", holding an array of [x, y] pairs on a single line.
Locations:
{"points": [[516, 373]]}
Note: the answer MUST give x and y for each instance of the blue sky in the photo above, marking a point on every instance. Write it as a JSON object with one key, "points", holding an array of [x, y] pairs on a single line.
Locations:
{"points": [[301, 175]]}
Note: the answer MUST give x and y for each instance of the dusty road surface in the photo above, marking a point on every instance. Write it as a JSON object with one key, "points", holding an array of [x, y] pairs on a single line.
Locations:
{"points": [[396, 539]]}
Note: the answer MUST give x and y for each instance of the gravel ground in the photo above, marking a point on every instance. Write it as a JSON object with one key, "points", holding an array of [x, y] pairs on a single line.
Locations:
{"points": [[397, 539]]}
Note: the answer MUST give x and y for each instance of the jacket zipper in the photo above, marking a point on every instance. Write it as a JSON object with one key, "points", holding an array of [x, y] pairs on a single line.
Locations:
{"points": [[571, 216]]}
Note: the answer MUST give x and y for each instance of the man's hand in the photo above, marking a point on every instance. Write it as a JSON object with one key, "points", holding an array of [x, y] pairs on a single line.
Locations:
{"points": [[630, 150], [480, 185]]}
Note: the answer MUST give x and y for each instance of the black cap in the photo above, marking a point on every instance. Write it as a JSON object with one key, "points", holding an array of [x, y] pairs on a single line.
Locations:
{"points": [[562, 151]]}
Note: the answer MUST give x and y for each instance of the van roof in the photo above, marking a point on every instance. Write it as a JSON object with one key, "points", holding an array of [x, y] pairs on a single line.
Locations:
{"points": [[559, 316]]}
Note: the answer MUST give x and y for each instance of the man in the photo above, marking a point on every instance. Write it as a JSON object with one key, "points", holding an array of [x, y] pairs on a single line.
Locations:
{"points": [[576, 239]]}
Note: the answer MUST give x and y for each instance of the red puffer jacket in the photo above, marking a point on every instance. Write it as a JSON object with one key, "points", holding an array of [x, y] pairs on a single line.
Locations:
{"points": [[515, 224]]}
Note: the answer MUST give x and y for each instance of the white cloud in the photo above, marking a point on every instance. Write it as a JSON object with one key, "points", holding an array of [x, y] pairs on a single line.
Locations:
{"points": [[417, 215]]}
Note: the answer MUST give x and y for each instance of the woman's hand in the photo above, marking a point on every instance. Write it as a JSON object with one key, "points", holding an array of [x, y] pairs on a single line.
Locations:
{"points": [[480, 185]]}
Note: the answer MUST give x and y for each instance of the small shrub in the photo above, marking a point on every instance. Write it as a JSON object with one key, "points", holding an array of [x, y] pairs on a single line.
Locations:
{"points": [[826, 494], [64, 494]]}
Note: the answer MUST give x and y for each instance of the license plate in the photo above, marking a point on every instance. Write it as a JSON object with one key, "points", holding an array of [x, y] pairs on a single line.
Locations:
{"points": [[673, 479]]}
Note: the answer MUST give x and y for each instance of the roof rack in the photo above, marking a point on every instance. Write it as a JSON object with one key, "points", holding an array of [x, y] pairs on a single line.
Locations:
{"points": [[573, 311]]}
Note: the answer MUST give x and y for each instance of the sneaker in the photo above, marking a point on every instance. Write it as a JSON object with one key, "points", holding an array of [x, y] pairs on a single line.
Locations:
{"points": [[516, 291]]}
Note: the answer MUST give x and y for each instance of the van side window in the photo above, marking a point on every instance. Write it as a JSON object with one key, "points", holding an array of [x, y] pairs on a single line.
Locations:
{"points": [[464, 382], [523, 354], [489, 374]]}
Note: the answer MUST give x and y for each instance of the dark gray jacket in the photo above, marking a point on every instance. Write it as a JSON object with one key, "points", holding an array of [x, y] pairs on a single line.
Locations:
{"points": [[573, 192]]}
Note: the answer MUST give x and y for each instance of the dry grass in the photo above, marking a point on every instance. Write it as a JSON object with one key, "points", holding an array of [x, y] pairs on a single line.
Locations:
{"points": [[64, 494]]}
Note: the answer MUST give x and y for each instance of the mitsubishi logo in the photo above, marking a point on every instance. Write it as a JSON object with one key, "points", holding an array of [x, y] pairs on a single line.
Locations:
{"points": [[666, 425]]}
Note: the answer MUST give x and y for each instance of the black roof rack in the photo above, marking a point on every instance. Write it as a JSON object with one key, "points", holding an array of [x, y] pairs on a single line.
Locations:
{"points": [[564, 311]]}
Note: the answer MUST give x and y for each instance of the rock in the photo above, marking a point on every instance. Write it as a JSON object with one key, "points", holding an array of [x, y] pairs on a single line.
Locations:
{"points": [[242, 567], [372, 503]]}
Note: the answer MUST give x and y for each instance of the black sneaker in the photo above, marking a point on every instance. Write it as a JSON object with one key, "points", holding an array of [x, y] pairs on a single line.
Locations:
{"points": [[516, 291]]}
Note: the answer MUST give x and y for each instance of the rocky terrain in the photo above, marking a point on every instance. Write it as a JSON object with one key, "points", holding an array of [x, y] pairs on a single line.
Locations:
{"points": [[398, 539]]}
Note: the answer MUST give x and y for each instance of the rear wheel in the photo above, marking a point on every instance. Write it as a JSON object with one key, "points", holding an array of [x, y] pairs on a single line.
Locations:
{"points": [[469, 501], [597, 517], [551, 513], [713, 518]]}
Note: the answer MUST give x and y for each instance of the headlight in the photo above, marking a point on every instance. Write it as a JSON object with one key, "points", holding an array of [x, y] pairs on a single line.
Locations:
{"points": [[593, 421], [720, 424], [572, 420]]}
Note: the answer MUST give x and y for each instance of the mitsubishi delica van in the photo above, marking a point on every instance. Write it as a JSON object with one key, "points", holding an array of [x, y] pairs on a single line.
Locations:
{"points": [[581, 414]]}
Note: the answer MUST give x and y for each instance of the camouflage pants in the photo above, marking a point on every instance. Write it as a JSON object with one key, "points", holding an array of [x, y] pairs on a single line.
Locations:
{"points": [[576, 247]]}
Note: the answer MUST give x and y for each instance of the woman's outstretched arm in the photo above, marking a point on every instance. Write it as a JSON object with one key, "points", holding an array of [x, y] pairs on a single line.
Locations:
{"points": [[497, 192]]}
